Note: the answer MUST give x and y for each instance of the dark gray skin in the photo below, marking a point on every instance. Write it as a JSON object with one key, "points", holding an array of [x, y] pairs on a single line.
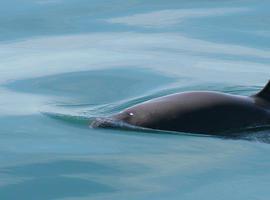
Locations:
{"points": [[204, 112]]}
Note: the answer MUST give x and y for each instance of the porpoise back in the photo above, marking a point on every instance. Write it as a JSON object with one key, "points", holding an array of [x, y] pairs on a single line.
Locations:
{"points": [[203, 112]]}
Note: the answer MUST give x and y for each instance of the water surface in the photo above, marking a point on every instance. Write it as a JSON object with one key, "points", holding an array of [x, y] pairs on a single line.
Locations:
{"points": [[63, 62]]}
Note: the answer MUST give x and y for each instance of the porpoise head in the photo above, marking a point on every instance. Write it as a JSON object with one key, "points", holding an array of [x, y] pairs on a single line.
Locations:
{"points": [[129, 117]]}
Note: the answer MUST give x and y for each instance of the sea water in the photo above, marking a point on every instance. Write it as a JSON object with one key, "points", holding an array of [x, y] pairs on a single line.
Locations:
{"points": [[64, 62]]}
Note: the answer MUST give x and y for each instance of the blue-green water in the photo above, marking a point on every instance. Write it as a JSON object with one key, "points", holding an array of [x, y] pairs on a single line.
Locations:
{"points": [[63, 62]]}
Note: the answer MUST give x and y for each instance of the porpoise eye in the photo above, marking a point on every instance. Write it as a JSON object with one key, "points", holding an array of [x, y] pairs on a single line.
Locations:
{"points": [[131, 113]]}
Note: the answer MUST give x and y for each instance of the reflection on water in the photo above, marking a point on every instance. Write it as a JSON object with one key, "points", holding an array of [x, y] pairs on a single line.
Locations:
{"points": [[52, 188], [62, 179], [107, 85], [64, 62]]}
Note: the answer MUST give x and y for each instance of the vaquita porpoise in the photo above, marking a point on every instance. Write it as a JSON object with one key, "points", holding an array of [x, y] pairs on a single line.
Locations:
{"points": [[202, 112]]}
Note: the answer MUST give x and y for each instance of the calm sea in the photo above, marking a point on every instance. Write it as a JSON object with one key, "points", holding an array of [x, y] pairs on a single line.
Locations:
{"points": [[63, 62]]}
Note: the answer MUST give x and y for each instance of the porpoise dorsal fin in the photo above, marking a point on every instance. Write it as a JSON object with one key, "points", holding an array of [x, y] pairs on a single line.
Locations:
{"points": [[265, 92]]}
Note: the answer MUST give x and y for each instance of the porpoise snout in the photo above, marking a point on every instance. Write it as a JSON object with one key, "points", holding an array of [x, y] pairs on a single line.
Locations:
{"points": [[111, 122], [101, 122]]}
